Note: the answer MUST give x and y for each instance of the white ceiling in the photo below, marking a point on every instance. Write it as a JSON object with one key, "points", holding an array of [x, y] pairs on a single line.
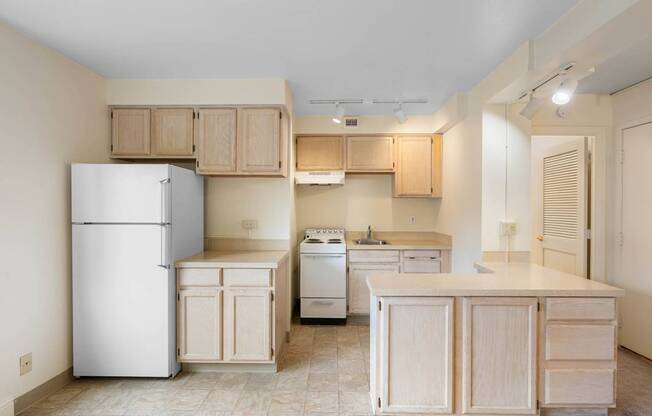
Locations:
{"points": [[388, 49]]}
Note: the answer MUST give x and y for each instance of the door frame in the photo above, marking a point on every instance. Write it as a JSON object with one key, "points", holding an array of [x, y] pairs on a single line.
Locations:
{"points": [[597, 207]]}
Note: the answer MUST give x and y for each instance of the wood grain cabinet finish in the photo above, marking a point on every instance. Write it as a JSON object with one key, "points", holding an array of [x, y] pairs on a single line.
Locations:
{"points": [[199, 337], [130, 132], [499, 363], [426, 360], [358, 290], [416, 174], [172, 132], [216, 139], [320, 153], [259, 140], [247, 324], [370, 154]]}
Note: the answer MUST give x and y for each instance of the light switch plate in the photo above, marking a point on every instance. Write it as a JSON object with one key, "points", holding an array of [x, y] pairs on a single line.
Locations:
{"points": [[25, 363]]}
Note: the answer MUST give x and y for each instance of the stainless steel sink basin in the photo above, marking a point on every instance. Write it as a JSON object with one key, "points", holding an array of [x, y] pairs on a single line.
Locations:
{"points": [[370, 242]]}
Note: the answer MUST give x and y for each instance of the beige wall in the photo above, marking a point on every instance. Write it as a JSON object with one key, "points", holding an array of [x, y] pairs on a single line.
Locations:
{"points": [[52, 113]]}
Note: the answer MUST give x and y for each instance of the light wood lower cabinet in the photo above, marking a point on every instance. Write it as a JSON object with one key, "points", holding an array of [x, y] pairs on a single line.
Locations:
{"points": [[200, 324], [358, 290], [247, 324], [427, 362]]}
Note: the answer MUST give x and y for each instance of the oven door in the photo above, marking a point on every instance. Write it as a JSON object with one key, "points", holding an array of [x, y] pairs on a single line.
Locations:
{"points": [[323, 275]]}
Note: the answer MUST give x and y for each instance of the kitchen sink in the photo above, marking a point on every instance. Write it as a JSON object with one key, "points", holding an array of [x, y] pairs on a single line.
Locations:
{"points": [[370, 242]]}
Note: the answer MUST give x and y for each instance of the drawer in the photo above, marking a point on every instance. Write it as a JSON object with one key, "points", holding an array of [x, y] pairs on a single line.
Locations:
{"points": [[199, 277], [421, 266], [248, 277], [579, 387], [373, 256], [581, 342], [421, 254], [580, 309], [323, 308]]}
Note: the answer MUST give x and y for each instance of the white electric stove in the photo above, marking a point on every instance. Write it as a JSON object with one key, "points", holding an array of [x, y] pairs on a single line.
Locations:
{"points": [[323, 275]]}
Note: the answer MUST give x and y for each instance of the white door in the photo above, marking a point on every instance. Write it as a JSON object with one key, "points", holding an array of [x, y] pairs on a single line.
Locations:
{"points": [[121, 301], [323, 275], [560, 206], [119, 193], [635, 276]]}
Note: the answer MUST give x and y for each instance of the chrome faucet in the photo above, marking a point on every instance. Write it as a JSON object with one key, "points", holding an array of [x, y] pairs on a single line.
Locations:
{"points": [[369, 233]]}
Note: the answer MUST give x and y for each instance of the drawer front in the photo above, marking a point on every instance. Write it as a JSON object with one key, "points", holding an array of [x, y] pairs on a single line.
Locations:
{"points": [[579, 387], [580, 309], [248, 277], [421, 254], [323, 308], [199, 277], [373, 256], [581, 342], [421, 266]]}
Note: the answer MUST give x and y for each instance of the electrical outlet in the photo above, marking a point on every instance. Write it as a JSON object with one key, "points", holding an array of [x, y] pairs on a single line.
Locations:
{"points": [[413, 219], [25, 362], [249, 224], [507, 227]]}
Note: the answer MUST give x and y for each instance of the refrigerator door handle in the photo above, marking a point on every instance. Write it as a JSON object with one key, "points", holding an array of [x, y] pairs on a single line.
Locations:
{"points": [[164, 201], [164, 242]]}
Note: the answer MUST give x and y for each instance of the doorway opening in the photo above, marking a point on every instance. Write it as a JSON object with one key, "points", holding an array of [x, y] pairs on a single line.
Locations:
{"points": [[561, 202]]}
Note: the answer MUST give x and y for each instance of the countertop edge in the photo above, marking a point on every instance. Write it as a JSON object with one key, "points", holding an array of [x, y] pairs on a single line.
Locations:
{"points": [[208, 264]]}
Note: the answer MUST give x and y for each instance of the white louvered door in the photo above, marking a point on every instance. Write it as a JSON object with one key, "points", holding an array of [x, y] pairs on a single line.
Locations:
{"points": [[563, 187]]}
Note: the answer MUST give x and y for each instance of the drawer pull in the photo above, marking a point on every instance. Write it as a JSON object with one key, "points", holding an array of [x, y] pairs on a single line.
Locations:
{"points": [[411, 258], [323, 302]]}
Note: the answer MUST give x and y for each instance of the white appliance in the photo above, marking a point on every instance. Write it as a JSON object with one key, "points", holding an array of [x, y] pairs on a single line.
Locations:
{"points": [[323, 275], [130, 223], [335, 177]]}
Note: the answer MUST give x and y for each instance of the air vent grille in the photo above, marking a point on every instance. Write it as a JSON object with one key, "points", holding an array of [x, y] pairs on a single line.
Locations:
{"points": [[351, 122]]}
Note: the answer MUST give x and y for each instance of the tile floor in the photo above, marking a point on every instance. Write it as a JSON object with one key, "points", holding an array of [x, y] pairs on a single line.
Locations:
{"points": [[324, 373]]}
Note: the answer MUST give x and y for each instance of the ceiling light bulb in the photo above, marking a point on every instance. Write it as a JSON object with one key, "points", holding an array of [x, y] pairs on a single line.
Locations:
{"points": [[339, 114], [565, 91], [400, 114]]}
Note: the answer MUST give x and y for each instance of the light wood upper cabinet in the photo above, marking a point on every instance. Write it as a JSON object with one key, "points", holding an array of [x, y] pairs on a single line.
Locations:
{"points": [[130, 131], [259, 140], [216, 139], [370, 154], [247, 324], [499, 365], [414, 166], [199, 335], [172, 132], [427, 361], [320, 153]]}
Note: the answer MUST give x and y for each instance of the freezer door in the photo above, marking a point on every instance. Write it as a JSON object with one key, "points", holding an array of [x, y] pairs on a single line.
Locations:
{"points": [[122, 301], [120, 193], [323, 275]]}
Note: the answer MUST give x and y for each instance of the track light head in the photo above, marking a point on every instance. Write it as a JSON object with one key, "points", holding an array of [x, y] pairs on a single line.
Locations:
{"points": [[338, 117], [565, 91], [533, 105], [400, 114]]}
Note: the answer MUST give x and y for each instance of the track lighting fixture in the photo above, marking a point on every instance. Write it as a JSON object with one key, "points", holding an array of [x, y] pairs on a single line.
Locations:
{"points": [[339, 114], [533, 105], [400, 114], [565, 91]]}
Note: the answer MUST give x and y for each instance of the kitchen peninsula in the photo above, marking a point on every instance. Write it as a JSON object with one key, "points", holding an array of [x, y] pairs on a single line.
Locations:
{"points": [[517, 339]]}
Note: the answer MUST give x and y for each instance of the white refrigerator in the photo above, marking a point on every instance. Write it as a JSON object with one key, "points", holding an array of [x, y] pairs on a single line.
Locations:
{"points": [[130, 223]]}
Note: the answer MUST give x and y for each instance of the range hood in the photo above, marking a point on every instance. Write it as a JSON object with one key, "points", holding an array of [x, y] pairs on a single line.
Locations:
{"points": [[334, 177]]}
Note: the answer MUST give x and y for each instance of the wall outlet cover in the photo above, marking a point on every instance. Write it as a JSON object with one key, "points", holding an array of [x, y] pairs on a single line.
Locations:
{"points": [[25, 363], [249, 224], [507, 227]]}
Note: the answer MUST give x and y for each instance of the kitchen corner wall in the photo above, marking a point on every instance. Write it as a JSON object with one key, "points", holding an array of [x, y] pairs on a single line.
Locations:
{"points": [[52, 113]]}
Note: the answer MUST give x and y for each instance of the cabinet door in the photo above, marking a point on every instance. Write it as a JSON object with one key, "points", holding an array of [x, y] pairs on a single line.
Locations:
{"points": [[247, 325], [199, 332], [320, 153], [172, 132], [416, 344], [359, 296], [370, 153], [259, 140], [130, 131], [499, 355], [414, 166], [216, 139]]}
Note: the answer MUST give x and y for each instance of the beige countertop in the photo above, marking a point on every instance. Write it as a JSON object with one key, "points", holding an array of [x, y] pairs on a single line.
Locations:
{"points": [[498, 279], [398, 240], [253, 259]]}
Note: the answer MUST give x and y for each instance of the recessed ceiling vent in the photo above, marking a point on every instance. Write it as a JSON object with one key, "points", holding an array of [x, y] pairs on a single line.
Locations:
{"points": [[351, 122]]}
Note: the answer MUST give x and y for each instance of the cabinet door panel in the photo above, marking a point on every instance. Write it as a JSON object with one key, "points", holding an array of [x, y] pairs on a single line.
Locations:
{"points": [[499, 356], [369, 153], [247, 325], [200, 325], [358, 291], [172, 132], [428, 324], [414, 166], [320, 153], [130, 131], [259, 140], [216, 139]]}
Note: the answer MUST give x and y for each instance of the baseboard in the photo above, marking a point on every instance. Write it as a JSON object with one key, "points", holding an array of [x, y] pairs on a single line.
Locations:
{"points": [[39, 392], [229, 367], [7, 409]]}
